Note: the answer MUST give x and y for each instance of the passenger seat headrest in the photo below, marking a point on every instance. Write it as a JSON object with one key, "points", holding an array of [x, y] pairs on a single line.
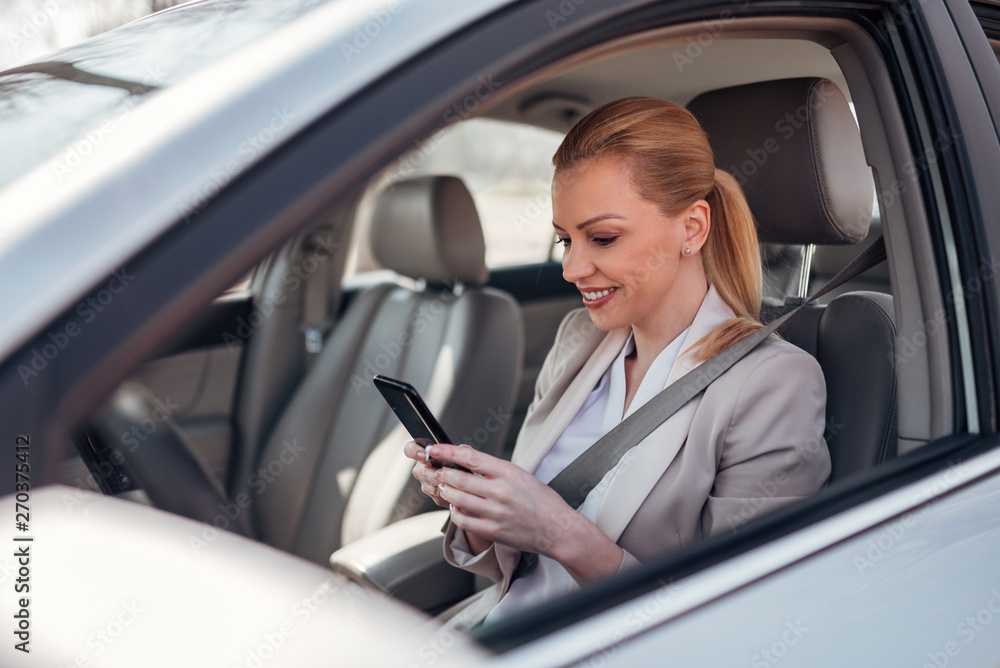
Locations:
{"points": [[794, 146], [428, 228]]}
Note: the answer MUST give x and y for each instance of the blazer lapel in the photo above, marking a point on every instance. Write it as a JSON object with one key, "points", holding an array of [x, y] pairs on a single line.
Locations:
{"points": [[645, 465], [569, 403]]}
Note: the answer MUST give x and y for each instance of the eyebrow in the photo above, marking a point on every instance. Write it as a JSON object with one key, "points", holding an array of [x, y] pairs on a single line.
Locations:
{"points": [[595, 219]]}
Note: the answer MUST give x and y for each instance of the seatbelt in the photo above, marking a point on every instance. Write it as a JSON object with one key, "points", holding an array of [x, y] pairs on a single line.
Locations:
{"points": [[576, 481], [316, 317]]}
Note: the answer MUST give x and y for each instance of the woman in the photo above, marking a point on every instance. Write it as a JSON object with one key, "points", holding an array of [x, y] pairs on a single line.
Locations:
{"points": [[663, 249]]}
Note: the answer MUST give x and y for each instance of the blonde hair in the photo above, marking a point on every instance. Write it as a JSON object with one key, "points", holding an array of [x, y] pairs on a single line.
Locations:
{"points": [[670, 164]]}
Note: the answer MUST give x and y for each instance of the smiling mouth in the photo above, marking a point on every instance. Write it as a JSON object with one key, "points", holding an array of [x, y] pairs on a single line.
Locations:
{"points": [[597, 294], [597, 298]]}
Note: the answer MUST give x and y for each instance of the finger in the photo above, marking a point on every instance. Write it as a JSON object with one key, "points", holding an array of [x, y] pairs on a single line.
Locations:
{"points": [[433, 493], [470, 458], [426, 473], [469, 503], [470, 482], [470, 523], [415, 451]]}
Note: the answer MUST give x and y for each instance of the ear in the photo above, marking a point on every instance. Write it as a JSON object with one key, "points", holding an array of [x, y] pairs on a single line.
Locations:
{"points": [[697, 222]]}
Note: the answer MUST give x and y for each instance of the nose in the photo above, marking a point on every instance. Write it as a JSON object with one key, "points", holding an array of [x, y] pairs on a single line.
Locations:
{"points": [[576, 263]]}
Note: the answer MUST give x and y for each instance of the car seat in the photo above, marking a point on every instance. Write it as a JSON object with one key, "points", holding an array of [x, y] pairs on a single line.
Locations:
{"points": [[795, 148]]}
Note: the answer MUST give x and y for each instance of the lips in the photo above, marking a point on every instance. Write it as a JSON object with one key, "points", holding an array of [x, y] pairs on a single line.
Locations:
{"points": [[597, 298]]}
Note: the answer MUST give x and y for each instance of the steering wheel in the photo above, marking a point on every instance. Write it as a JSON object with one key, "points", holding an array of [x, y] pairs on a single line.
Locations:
{"points": [[133, 443]]}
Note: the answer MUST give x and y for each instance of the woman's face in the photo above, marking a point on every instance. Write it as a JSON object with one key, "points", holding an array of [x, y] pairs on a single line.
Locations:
{"points": [[623, 254]]}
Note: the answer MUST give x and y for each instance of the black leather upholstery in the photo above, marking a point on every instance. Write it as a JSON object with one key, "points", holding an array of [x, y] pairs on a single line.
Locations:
{"points": [[794, 147], [811, 186], [857, 332]]}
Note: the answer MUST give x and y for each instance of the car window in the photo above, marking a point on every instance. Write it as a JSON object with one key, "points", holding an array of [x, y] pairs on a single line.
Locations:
{"points": [[507, 168], [74, 98]]}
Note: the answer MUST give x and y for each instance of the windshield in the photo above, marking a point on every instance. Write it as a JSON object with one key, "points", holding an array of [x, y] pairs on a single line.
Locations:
{"points": [[67, 102]]}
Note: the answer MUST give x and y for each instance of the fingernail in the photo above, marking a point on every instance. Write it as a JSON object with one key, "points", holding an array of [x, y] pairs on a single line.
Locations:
{"points": [[421, 455], [431, 452]]}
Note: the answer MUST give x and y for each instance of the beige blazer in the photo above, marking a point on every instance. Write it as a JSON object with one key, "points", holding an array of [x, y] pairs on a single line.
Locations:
{"points": [[753, 441]]}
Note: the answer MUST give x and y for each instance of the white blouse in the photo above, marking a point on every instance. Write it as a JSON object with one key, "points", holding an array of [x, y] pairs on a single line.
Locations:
{"points": [[600, 413]]}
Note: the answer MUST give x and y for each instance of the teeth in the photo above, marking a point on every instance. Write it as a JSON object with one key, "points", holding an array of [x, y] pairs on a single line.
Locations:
{"points": [[598, 295]]}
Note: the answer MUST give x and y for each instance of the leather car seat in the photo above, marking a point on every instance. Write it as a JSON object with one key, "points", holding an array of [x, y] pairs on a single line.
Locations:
{"points": [[795, 148], [297, 291], [332, 468]]}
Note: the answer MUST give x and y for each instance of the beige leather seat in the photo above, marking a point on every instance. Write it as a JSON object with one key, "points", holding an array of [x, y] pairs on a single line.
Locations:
{"points": [[332, 468], [297, 293]]}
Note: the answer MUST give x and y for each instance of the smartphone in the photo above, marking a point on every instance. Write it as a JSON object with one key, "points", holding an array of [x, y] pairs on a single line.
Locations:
{"points": [[411, 410]]}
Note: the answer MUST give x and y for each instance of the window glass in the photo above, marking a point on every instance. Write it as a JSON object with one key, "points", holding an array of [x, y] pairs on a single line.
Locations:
{"points": [[507, 168]]}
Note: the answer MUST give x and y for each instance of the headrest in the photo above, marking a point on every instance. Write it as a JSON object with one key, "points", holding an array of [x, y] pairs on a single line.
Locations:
{"points": [[427, 227], [795, 148]]}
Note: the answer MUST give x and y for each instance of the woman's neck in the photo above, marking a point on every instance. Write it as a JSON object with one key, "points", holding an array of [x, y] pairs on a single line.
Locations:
{"points": [[654, 334]]}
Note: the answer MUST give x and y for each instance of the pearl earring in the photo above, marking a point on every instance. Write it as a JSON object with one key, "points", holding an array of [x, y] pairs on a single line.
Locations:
{"points": [[687, 251]]}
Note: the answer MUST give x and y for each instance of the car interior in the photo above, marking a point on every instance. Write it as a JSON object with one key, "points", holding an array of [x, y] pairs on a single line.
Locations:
{"points": [[263, 420]]}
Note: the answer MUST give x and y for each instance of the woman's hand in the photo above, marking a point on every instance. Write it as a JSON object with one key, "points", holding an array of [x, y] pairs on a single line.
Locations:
{"points": [[502, 502], [429, 478], [425, 474]]}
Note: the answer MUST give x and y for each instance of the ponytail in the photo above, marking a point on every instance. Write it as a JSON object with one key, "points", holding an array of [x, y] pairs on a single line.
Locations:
{"points": [[731, 257]]}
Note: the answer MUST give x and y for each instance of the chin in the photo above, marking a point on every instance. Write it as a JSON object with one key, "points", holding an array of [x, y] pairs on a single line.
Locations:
{"points": [[605, 322]]}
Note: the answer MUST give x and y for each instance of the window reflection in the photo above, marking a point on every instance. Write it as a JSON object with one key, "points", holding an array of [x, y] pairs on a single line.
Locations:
{"points": [[52, 104]]}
